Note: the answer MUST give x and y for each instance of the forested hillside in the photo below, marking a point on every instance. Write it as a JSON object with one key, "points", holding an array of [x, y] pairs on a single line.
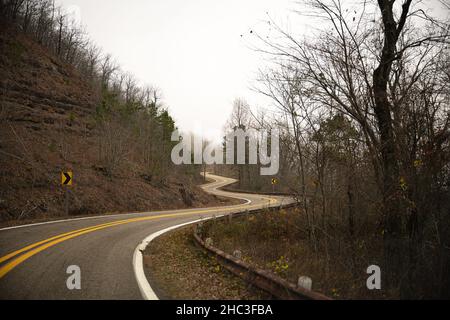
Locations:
{"points": [[362, 105], [65, 105]]}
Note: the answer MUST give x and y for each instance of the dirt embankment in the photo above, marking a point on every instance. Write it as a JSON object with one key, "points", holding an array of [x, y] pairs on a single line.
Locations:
{"points": [[47, 125]]}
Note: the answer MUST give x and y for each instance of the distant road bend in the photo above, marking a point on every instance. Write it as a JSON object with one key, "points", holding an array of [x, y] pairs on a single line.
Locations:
{"points": [[34, 258]]}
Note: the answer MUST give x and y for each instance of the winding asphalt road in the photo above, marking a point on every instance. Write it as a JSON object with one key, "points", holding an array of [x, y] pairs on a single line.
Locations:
{"points": [[34, 258]]}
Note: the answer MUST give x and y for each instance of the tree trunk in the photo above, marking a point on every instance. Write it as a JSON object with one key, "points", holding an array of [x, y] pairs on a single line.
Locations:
{"points": [[351, 213], [392, 212]]}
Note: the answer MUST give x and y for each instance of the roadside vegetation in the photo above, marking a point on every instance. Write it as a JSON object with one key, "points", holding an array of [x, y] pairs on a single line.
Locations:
{"points": [[362, 104], [178, 269], [277, 241]]}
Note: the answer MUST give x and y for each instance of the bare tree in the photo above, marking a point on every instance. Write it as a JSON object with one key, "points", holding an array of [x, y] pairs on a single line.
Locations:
{"points": [[240, 118], [107, 69], [371, 70]]}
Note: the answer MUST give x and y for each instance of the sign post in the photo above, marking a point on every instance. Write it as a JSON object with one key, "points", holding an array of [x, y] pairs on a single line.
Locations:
{"points": [[274, 182], [66, 180]]}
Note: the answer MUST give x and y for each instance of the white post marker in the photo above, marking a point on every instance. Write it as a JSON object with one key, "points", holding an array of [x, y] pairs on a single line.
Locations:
{"points": [[304, 282]]}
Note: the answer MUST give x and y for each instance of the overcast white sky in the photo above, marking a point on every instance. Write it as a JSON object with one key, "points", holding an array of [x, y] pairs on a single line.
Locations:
{"points": [[192, 50]]}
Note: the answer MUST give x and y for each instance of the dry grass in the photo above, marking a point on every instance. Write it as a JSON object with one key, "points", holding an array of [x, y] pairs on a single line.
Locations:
{"points": [[180, 270], [277, 242]]}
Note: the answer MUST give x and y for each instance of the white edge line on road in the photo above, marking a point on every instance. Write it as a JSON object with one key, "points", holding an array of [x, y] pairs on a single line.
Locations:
{"points": [[109, 216], [138, 263], [68, 220], [138, 259]]}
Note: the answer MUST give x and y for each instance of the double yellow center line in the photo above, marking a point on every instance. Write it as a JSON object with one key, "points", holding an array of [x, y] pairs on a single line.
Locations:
{"points": [[39, 246]]}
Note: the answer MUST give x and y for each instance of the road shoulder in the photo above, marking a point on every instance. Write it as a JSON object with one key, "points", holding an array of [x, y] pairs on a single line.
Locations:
{"points": [[177, 269]]}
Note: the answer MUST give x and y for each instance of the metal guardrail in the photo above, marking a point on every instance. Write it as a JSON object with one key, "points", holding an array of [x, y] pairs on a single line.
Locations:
{"points": [[274, 285], [236, 190]]}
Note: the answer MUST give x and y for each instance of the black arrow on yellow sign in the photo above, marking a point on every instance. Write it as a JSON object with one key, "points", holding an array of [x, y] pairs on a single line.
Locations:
{"points": [[66, 178]]}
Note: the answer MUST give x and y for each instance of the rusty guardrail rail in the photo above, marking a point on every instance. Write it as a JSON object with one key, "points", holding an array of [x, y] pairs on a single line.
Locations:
{"points": [[230, 188], [274, 285]]}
